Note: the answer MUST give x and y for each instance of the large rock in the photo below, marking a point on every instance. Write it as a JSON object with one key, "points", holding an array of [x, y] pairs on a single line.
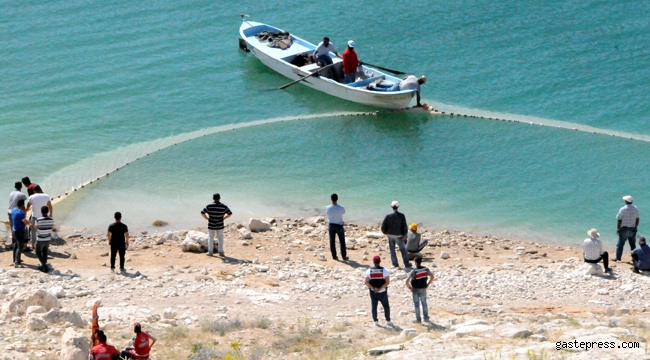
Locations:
{"points": [[22, 301], [167, 236], [36, 323], [63, 317], [195, 241], [75, 346], [57, 291], [374, 235], [589, 269], [256, 225], [244, 233]]}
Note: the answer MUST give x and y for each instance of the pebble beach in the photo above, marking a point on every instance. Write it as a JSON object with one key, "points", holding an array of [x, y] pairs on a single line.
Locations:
{"points": [[277, 294]]}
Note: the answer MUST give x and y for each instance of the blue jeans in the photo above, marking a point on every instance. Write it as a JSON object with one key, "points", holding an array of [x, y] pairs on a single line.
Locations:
{"points": [[394, 87], [349, 78], [382, 298], [626, 233], [420, 295], [392, 239], [324, 59], [336, 229]]}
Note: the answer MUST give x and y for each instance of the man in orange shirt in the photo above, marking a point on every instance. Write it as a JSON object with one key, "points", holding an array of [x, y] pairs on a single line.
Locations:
{"points": [[350, 64]]}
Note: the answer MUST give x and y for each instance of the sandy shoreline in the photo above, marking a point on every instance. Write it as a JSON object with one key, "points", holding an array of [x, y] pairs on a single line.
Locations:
{"points": [[280, 295]]}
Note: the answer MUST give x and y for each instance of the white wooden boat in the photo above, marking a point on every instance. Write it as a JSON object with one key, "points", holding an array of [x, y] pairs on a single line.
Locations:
{"points": [[280, 61]]}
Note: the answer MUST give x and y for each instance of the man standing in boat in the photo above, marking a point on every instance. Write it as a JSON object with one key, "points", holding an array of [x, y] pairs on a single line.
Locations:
{"points": [[350, 63], [322, 52]]}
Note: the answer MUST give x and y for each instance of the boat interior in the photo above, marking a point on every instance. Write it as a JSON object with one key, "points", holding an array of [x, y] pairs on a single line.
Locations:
{"points": [[299, 55]]}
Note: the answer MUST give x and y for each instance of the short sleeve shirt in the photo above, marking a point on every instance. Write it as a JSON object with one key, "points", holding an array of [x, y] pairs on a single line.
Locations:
{"points": [[118, 231], [324, 50], [216, 212], [13, 199], [45, 225], [17, 217], [38, 201], [410, 83], [386, 274], [628, 215], [335, 214], [104, 351]]}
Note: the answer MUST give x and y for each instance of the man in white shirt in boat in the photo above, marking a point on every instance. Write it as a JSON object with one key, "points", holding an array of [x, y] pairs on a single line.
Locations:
{"points": [[322, 52], [410, 82]]}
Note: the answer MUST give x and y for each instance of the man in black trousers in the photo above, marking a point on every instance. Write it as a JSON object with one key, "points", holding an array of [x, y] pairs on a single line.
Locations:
{"points": [[118, 239]]}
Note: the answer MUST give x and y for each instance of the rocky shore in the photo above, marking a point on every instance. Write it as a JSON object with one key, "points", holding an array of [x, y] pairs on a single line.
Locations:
{"points": [[277, 294]]}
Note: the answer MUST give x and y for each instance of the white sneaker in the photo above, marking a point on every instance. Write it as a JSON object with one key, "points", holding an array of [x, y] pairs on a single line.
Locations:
{"points": [[376, 323], [390, 323]]}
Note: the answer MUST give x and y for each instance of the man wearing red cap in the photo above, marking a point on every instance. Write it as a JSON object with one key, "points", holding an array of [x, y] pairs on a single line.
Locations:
{"points": [[377, 280]]}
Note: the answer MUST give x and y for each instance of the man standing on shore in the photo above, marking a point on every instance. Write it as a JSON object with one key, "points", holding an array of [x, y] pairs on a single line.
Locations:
{"points": [[335, 220], [216, 213], [18, 231], [28, 185], [44, 225], [418, 281], [628, 221], [118, 240], [394, 226], [377, 280], [13, 200], [36, 202]]}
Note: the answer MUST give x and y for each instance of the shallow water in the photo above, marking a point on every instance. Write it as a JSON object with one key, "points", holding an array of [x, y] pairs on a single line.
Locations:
{"points": [[87, 87]]}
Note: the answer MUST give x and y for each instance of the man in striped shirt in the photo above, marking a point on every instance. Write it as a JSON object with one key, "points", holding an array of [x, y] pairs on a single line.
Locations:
{"points": [[43, 226], [626, 226], [215, 213]]}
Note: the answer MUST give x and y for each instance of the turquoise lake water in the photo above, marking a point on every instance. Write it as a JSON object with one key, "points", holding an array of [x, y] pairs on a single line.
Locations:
{"points": [[87, 86]]}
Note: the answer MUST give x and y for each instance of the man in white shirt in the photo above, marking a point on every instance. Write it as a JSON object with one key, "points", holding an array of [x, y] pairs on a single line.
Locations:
{"points": [[626, 226], [335, 226], [592, 249], [377, 280], [36, 202], [323, 50], [13, 200]]}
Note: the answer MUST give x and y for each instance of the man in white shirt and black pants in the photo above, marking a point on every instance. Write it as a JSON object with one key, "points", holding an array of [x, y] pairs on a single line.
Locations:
{"points": [[593, 250], [626, 226], [377, 280], [335, 226]]}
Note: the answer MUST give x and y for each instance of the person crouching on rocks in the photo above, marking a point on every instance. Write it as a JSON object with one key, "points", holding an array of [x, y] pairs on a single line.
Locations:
{"points": [[377, 280], [103, 351], [418, 281], [141, 345]]}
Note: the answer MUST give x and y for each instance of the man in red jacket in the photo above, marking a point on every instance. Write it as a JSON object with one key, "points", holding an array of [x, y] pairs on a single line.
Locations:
{"points": [[350, 63], [103, 351]]}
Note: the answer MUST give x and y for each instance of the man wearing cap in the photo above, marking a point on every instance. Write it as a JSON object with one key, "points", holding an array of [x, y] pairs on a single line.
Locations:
{"points": [[414, 244], [323, 50], [592, 249], [216, 213], [628, 221], [377, 280], [641, 256], [335, 226], [394, 226], [350, 63]]}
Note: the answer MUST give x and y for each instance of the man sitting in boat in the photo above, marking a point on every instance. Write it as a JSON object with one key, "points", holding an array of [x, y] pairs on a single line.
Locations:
{"points": [[323, 50], [408, 83]]}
